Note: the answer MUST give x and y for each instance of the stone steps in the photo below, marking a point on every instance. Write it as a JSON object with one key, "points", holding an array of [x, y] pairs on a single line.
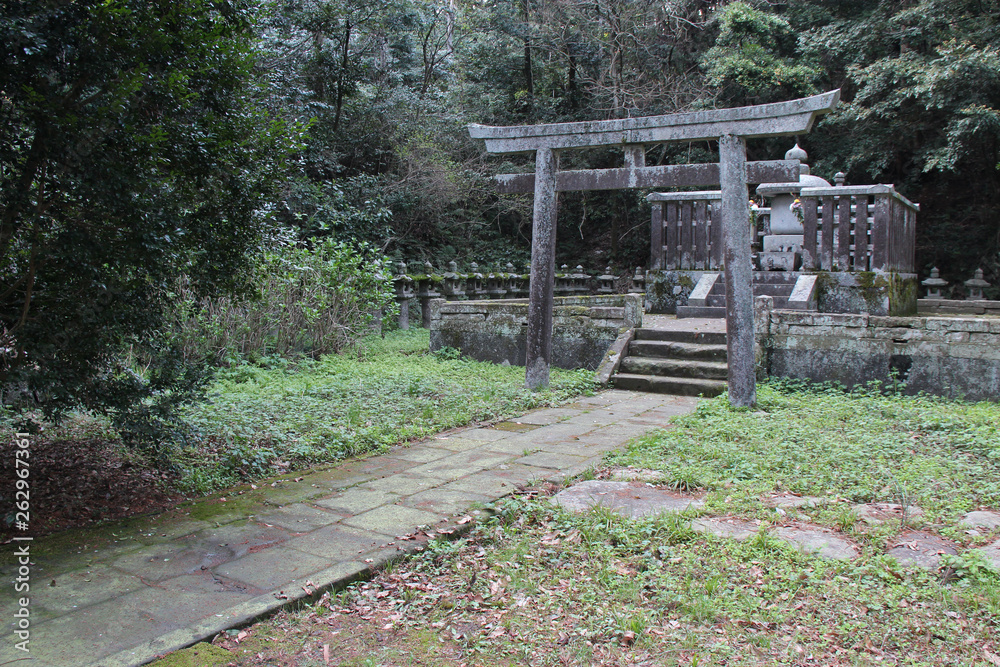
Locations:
{"points": [[669, 385], [778, 285], [683, 363]]}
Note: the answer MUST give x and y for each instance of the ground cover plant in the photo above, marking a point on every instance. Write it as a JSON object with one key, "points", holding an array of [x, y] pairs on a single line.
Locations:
{"points": [[535, 585], [275, 416]]}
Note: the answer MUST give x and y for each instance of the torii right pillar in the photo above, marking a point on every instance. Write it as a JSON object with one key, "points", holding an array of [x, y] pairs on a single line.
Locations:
{"points": [[739, 273]]}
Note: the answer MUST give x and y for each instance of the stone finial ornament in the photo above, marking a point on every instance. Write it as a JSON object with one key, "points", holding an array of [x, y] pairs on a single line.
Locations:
{"points": [[840, 178], [934, 284], [976, 285]]}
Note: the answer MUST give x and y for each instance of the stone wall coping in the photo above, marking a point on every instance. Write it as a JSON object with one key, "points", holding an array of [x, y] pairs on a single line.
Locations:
{"points": [[684, 196], [856, 190]]}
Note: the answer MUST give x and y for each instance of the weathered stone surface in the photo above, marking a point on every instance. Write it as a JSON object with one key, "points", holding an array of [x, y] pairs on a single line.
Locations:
{"points": [[992, 554], [742, 380], [981, 519], [778, 119], [790, 501], [879, 513], [730, 527], [635, 475], [933, 355], [923, 550], [632, 499], [818, 542], [538, 346]]}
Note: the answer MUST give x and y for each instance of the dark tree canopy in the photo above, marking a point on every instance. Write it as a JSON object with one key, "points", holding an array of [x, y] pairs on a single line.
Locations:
{"points": [[131, 150]]}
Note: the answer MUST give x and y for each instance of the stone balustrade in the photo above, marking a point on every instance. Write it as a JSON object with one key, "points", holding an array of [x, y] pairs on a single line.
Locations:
{"points": [[415, 289]]}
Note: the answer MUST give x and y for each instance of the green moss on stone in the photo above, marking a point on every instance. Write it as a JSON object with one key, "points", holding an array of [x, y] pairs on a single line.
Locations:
{"points": [[199, 655]]}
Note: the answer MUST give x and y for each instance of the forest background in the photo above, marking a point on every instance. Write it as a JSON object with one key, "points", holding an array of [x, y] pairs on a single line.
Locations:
{"points": [[187, 182]]}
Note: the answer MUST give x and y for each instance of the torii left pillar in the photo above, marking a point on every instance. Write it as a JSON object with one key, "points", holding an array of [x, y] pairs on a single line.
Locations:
{"points": [[543, 266]]}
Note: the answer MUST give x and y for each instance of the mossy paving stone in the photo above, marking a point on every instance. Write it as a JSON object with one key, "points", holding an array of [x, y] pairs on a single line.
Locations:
{"points": [[549, 416], [498, 483], [817, 541], [357, 500], [393, 520], [299, 518], [82, 588], [920, 549], [339, 543], [404, 484], [992, 554], [728, 527], [461, 464], [89, 634], [552, 460], [422, 453], [562, 432], [204, 549], [273, 569], [981, 519], [443, 501]]}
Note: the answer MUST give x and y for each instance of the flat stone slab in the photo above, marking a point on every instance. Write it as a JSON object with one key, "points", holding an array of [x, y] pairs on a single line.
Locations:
{"points": [[817, 541], [631, 499], [923, 550], [992, 554], [987, 520], [631, 474], [879, 513], [734, 529], [792, 501]]}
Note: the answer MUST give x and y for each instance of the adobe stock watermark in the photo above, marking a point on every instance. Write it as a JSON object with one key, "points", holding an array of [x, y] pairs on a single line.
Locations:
{"points": [[22, 551]]}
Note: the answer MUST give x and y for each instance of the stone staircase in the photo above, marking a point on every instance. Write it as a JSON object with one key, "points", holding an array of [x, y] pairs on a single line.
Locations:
{"points": [[708, 299], [685, 363]]}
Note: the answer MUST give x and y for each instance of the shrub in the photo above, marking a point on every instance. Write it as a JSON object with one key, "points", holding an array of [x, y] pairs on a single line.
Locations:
{"points": [[310, 301]]}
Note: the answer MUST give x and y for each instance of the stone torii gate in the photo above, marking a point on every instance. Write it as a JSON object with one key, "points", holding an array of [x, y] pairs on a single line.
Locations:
{"points": [[731, 127]]}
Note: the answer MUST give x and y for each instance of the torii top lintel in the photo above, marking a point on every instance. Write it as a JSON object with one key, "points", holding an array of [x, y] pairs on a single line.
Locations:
{"points": [[764, 120]]}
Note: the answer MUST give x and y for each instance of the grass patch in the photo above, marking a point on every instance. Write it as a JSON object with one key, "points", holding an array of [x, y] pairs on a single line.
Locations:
{"points": [[262, 420], [859, 447]]}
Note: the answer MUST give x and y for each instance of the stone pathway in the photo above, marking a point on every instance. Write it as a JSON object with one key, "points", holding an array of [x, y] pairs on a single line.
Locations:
{"points": [[913, 548], [127, 592]]}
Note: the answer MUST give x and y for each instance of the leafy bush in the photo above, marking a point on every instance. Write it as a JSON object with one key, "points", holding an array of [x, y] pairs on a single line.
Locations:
{"points": [[311, 301]]}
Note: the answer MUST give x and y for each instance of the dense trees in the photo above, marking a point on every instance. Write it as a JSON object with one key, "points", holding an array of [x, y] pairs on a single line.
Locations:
{"points": [[131, 149]]}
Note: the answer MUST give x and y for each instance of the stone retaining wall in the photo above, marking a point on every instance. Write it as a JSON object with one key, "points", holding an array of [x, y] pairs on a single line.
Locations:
{"points": [[583, 328], [946, 356]]}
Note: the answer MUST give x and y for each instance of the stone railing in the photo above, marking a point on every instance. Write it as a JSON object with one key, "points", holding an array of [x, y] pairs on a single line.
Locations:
{"points": [[416, 289], [686, 231], [858, 228]]}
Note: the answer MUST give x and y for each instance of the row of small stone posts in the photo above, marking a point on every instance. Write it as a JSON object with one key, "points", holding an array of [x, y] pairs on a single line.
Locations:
{"points": [[482, 283]]}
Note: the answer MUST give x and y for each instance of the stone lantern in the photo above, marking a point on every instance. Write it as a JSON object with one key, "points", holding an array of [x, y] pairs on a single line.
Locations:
{"points": [[976, 286], [783, 243]]}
